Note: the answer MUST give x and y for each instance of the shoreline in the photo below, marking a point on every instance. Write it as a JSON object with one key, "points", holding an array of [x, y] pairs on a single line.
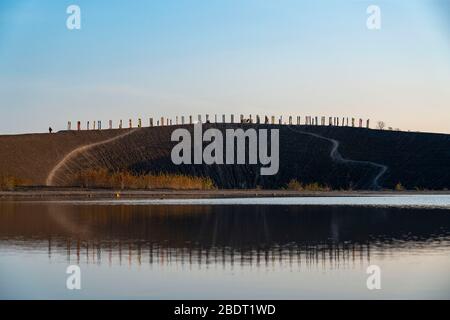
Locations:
{"points": [[75, 193]]}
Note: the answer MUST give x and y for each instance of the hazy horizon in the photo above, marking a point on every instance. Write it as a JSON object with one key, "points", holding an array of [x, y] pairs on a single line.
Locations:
{"points": [[168, 58]]}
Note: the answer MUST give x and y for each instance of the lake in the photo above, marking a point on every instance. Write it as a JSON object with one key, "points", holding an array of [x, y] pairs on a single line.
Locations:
{"points": [[256, 248]]}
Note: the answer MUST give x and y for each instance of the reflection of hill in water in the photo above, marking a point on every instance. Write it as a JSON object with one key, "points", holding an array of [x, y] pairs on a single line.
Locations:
{"points": [[219, 234]]}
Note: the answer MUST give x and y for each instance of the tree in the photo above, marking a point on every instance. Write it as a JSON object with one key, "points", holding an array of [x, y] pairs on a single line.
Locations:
{"points": [[381, 125]]}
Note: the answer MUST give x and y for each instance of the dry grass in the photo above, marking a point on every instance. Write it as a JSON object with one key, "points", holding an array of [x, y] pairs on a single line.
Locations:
{"points": [[399, 187], [10, 183], [102, 178], [295, 185]]}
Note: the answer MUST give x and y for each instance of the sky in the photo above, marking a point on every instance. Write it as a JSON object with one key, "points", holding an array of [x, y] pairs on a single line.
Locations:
{"points": [[141, 59]]}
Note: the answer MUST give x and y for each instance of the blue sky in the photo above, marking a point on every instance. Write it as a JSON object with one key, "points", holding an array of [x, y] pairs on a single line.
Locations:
{"points": [[166, 58]]}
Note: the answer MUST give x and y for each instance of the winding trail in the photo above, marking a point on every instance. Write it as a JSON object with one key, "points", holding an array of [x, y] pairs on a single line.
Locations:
{"points": [[79, 150], [337, 157]]}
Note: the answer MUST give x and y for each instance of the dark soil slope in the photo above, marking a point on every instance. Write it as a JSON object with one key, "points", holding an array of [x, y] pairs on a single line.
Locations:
{"points": [[31, 157]]}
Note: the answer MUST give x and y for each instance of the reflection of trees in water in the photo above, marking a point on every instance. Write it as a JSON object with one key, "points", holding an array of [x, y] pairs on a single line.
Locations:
{"points": [[138, 253], [219, 235]]}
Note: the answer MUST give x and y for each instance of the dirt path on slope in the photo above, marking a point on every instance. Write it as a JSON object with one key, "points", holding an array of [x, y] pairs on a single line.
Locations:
{"points": [[337, 157], [79, 150]]}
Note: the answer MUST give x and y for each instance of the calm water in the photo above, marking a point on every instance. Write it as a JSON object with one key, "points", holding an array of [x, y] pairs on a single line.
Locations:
{"points": [[295, 248]]}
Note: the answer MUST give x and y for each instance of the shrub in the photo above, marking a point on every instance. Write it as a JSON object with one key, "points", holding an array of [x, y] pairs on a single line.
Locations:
{"points": [[10, 183], [298, 186], [294, 185], [399, 187]]}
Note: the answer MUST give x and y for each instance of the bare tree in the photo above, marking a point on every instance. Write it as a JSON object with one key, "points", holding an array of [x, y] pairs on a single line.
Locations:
{"points": [[381, 125]]}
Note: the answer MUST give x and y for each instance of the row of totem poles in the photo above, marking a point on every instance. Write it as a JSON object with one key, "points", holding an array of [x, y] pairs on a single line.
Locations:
{"points": [[308, 120]]}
